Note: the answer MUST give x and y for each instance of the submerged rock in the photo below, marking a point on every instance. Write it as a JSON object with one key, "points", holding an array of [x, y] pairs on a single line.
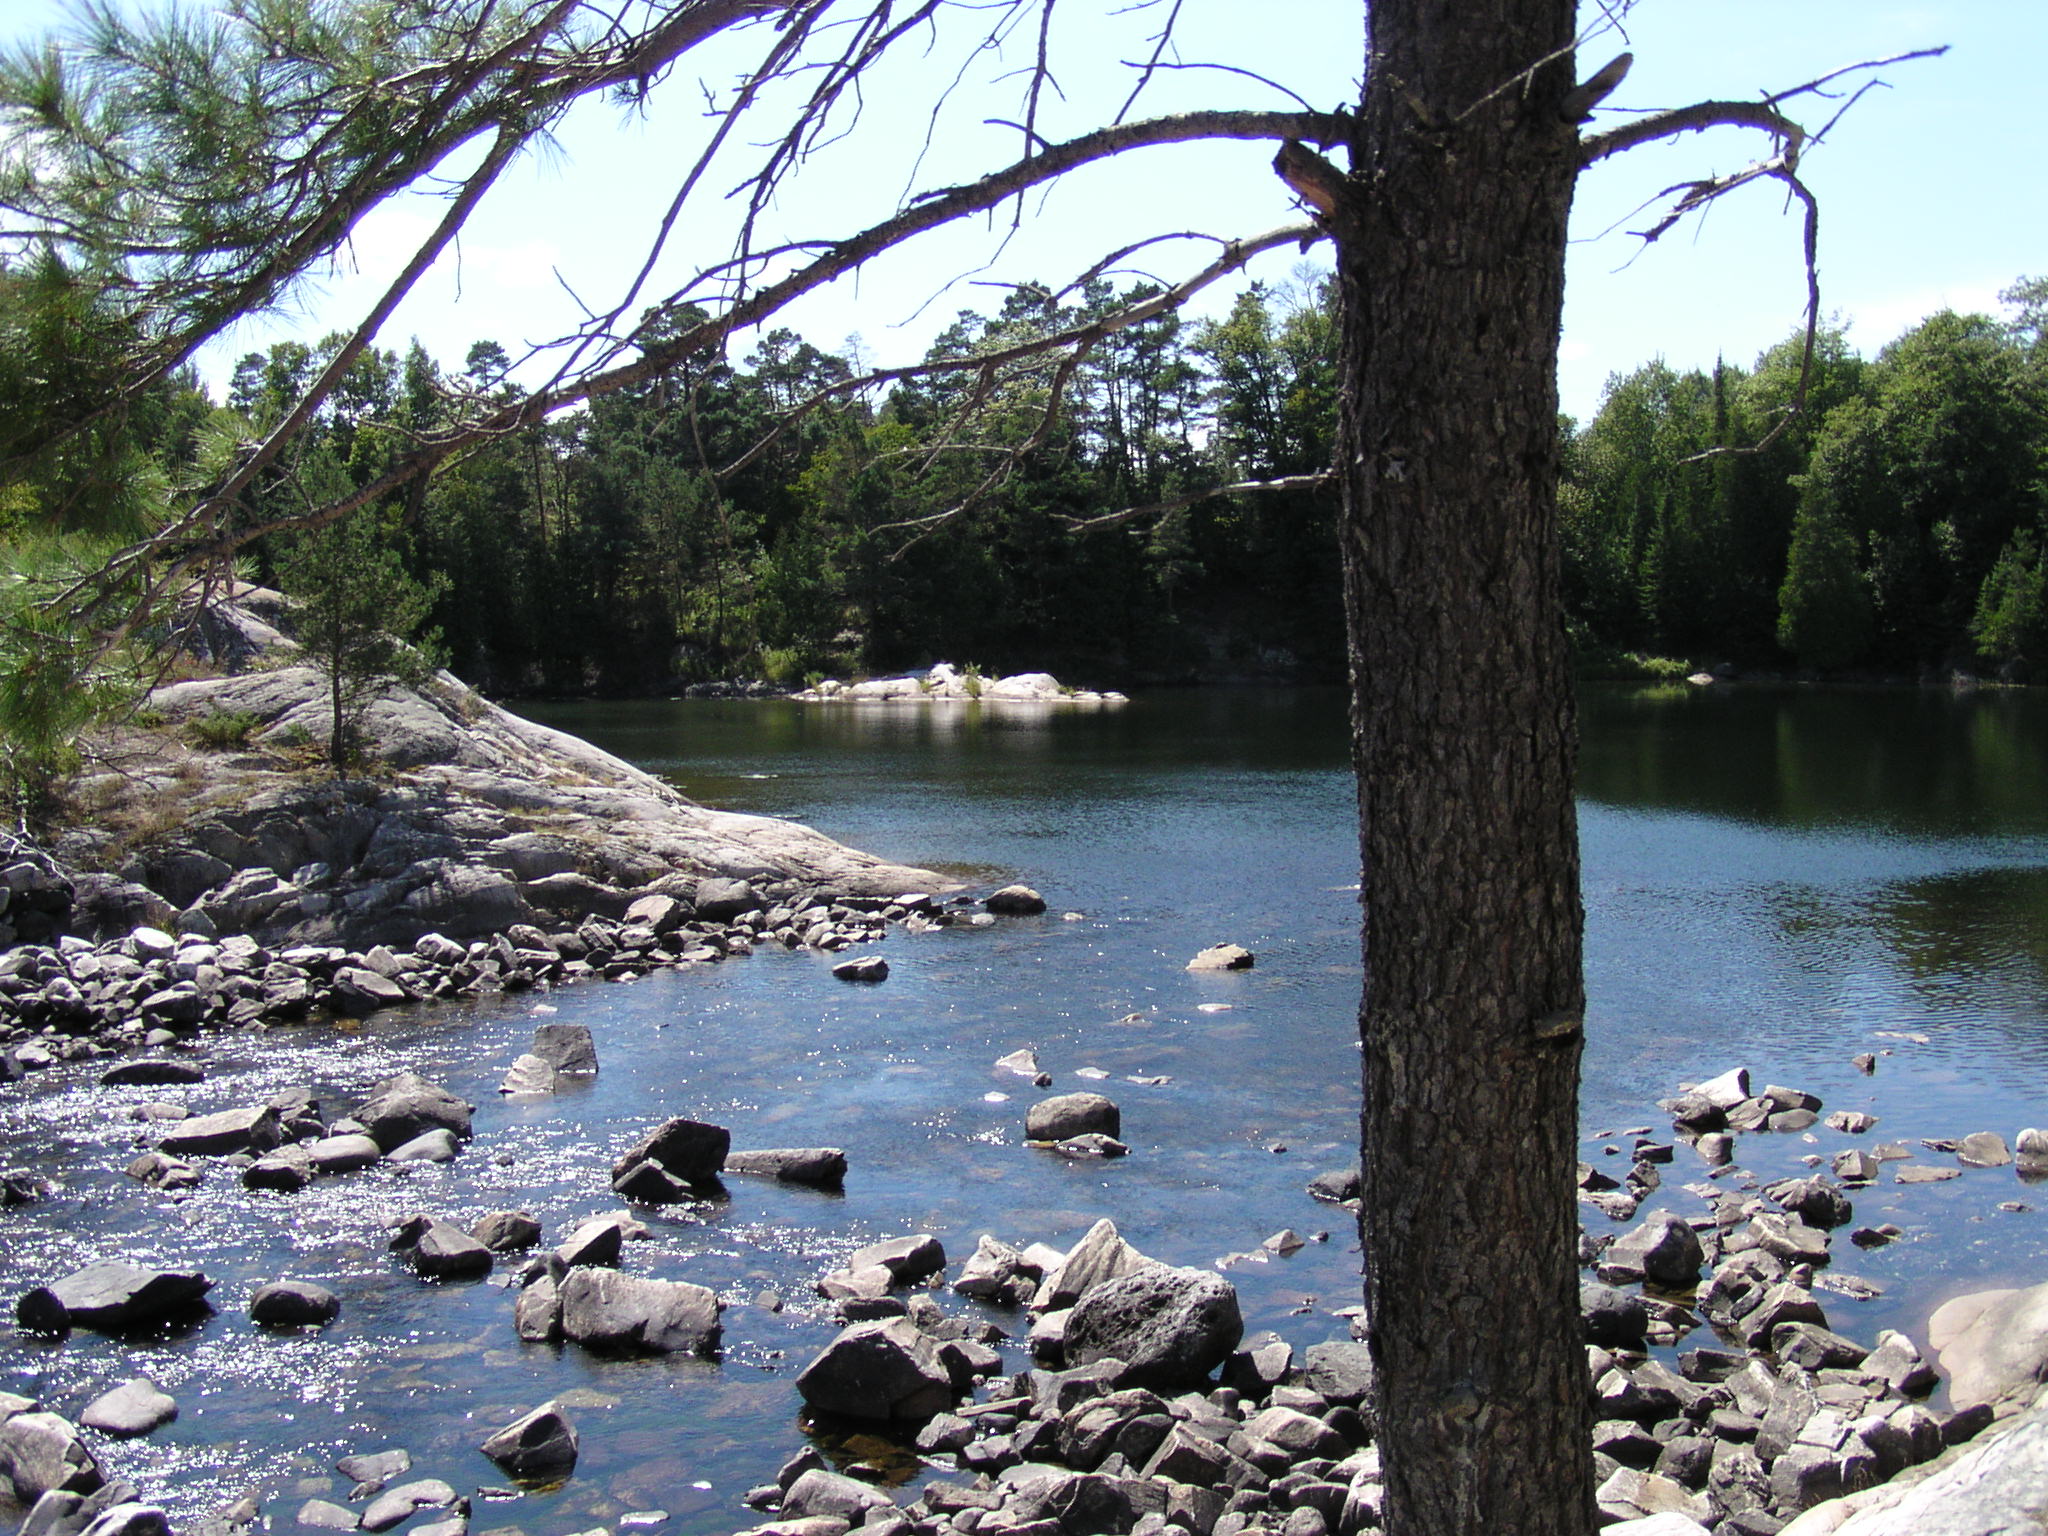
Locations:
{"points": [[134, 1408], [821, 1167]]}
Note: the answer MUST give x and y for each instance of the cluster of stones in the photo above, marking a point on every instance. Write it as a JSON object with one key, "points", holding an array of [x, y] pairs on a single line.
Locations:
{"points": [[1740, 1440], [385, 1501], [1121, 1424], [945, 683], [74, 999]]}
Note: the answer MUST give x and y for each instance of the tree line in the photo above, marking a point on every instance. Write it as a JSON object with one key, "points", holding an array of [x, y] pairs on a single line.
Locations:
{"points": [[1894, 524], [763, 517]]}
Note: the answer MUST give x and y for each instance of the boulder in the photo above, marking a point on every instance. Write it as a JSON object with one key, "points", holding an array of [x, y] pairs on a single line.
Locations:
{"points": [[134, 1408], [113, 1296], [1100, 1255], [360, 992], [600, 1240], [255, 1128], [720, 900], [1991, 1487], [1993, 1345], [440, 1250], [818, 1492], [41, 1453], [540, 1447], [602, 1308], [293, 1304], [820, 1167], [1662, 1248], [1072, 1114], [662, 1166], [907, 1259], [435, 1146], [1170, 1327], [406, 1106], [566, 1047], [346, 1153], [997, 1273], [1015, 901], [880, 1370], [506, 1231], [528, 1076], [1222, 957], [862, 968], [149, 1071], [394, 1506]]}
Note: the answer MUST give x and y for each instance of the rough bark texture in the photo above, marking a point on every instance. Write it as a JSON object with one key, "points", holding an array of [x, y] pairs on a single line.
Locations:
{"points": [[1452, 237]]}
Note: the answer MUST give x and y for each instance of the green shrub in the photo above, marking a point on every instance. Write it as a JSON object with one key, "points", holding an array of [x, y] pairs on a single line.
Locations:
{"points": [[222, 731]]}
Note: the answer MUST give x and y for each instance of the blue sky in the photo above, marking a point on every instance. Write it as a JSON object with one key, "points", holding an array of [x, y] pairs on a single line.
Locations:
{"points": [[1933, 191]]}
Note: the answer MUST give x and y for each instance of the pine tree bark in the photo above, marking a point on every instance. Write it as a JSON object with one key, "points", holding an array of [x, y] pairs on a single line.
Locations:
{"points": [[1451, 236]]}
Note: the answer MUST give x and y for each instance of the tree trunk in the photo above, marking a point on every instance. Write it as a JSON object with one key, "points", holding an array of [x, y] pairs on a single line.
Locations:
{"points": [[1451, 257]]}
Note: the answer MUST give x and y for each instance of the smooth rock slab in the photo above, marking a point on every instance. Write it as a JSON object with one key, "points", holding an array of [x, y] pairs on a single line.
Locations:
{"points": [[1993, 1345], [112, 1295], [403, 1107], [540, 1447], [397, 1505], [41, 1453], [134, 1408], [506, 1231], [907, 1259], [347, 1153]]}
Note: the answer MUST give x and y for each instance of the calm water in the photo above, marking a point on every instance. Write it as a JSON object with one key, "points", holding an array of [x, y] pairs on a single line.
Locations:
{"points": [[1780, 879]]}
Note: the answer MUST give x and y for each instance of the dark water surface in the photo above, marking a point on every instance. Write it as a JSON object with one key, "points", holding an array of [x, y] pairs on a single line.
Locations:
{"points": [[1774, 878]]}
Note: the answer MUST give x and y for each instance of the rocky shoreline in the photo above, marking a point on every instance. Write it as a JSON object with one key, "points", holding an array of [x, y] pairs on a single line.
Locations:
{"points": [[500, 858], [1143, 1409]]}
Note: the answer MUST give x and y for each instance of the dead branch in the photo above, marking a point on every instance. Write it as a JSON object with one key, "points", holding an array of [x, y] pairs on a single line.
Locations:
{"points": [[1320, 480]]}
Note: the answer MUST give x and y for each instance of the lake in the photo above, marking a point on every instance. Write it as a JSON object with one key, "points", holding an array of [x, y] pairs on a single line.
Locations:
{"points": [[1778, 878]]}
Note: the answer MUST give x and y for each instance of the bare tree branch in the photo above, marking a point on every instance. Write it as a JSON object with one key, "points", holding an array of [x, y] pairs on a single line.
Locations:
{"points": [[1322, 479]]}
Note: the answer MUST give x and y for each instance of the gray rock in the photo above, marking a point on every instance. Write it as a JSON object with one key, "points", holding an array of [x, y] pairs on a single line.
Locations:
{"points": [[404, 1107], [1993, 1345], [1171, 1327], [1984, 1149], [1336, 1186], [537, 1314], [1662, 1249], [293, 1304], [879, 1370], [1100, 1255], [41, 1453], [566, 1047], [394, 1506], [440, 1250], [149, 1071], [1015, 901], [1613, 1318], [372, 1470], [1072, 1114], [1222, 957], [907, 1259], [134, 1408], [359, 991], [112, 1296], [663, 1165], [326, 1515], [600, 1240], [997, 1273], [721, 900], [529, 1075], [540, 1447], [343, 1154], [869, 968], [285, 1171], [604, 1309], [506, 1231], [435, 1146], [131, 1517], [819, 1167], [254, 1128], [819, 1492]]}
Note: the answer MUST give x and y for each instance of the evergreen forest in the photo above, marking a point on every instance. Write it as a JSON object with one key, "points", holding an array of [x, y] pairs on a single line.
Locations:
{"points": [[771, 516]]}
